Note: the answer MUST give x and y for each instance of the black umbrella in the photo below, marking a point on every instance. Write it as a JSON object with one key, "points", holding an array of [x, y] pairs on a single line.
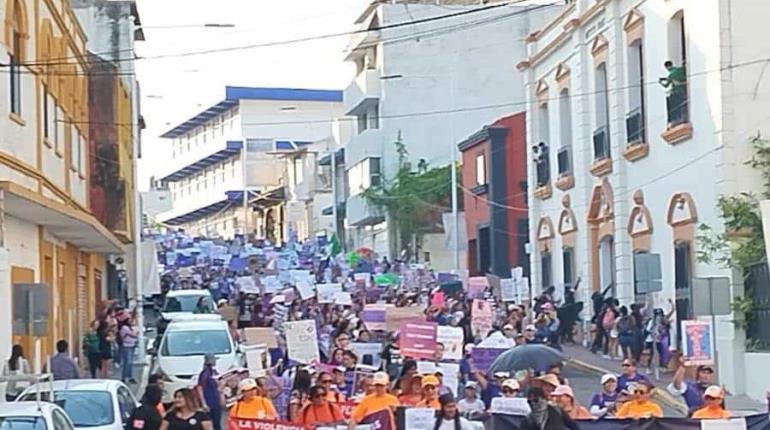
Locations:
{"points": [[522, 357]]}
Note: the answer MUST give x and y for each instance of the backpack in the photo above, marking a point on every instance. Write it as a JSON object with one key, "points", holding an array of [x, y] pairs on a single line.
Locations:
{"points": [[608, 319], [625, 327]]}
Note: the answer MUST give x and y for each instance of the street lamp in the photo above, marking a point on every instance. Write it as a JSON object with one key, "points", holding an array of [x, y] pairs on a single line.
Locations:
{"points": [[453, 153]]}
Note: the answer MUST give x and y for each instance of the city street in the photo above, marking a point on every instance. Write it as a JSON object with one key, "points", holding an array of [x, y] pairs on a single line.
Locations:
{"points": [[585, 384]]}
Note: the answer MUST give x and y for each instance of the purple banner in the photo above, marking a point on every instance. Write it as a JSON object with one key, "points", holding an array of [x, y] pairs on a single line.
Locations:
{"points": [[374, 318], [482, 358]]}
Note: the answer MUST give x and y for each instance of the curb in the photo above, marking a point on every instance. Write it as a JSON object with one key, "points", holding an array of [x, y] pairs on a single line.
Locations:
{"points": [[659, 394]]}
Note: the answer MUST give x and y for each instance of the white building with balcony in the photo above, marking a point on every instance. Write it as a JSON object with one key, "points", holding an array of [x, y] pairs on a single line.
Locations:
{"points": [[626, 170], [225, 156], [432, 83]]}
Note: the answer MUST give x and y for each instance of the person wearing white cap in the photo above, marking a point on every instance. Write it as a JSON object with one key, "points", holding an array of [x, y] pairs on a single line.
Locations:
{"points": [[529, 333], [565, 399], [714, 405], [470, 405], [252, 404], [491, 389], [603, 402], [510, 388], [379, 400]]}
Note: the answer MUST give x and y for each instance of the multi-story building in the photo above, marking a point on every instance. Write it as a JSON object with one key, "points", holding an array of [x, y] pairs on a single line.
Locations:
{"points": [[494, 181], [430, 84], [224, 166], [309, 178], [625, 167], [53, 249], [114, 123]]}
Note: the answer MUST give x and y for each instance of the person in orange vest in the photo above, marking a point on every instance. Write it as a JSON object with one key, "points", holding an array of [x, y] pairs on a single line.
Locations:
{"points": [[320, 411], [430, 386], [713, 405], [253, 405], [379, 400]]}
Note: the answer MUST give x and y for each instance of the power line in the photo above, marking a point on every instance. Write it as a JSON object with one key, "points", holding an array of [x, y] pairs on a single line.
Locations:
{"points": [[429, 33], [489, 106], [56, 61]]}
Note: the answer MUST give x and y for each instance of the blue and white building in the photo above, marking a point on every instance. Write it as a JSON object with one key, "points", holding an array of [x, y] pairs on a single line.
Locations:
{"points": [[228, 152]]}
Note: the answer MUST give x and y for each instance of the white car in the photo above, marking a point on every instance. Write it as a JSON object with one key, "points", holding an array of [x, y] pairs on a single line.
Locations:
{"points": [[179, 357], [185, 302], [33, 416], [95, 404]]}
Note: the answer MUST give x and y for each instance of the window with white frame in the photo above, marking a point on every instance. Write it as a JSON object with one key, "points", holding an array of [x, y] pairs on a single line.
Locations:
{"points": [[481, 169], [364, 174]]}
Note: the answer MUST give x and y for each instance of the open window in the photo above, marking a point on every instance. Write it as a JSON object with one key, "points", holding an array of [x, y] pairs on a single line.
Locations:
{"points": [[677, 101], [601, 135], [564, 157]]}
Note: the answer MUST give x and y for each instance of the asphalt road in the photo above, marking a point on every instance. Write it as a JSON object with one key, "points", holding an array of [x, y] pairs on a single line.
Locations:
{"points": [[584, 384]]}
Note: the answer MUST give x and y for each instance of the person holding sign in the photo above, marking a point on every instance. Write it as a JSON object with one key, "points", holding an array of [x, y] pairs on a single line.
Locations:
{"points": [[430, 395], [253, 405], [319, 411], [714, 405], [378, 401], [692, 391], [449, 416]]}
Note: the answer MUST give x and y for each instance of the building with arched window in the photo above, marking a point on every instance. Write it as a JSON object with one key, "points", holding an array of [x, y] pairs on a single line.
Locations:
{"points": [[55, 250], [653, 124]]}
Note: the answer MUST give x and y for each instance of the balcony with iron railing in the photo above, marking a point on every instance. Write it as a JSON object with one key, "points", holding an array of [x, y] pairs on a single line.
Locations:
{"points": [[636, 145], [602, 164], [678, 126]]}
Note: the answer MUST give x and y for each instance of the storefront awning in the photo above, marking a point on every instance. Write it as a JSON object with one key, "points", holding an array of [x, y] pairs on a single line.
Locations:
{"points": [[66, 223]]}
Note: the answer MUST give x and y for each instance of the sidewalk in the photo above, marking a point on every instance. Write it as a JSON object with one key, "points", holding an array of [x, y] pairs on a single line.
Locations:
{"points": [[583, 358]]}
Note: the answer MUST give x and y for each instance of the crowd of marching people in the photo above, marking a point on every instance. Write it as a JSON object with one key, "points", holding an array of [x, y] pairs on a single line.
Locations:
{"points": [[344, 386]]}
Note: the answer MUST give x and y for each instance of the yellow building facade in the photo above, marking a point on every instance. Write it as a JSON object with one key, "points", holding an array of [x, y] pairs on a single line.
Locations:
{"points": [[53, 250]]}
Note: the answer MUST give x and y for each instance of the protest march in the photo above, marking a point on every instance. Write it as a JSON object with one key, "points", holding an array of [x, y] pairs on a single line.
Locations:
{"points": [[319, 338]]}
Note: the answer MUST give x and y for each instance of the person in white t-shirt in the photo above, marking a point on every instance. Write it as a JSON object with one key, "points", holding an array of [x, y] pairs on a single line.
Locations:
{"points": [[470, 406], [449, 416]]}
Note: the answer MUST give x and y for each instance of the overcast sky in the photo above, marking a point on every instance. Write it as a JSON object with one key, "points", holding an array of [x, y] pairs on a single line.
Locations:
{"points": [[176, 88]]}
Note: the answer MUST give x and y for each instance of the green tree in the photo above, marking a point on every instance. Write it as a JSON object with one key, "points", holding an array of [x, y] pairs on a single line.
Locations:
{"points": [[414, 201]]}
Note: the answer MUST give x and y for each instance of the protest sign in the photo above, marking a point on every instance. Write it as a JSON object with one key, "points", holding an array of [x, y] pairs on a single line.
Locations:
{"points": [[257, 360], [271, 283], [342, 298], [373, 317], [508, 290], [476, 286], [380, 420], [419, 419], [451, 288], [482, 358], [417, 339], [368, 353], [698, 342], [362, 280], [517, 273], [728, 424], [228, 384], [497, 340], [452, 338], [306, 290], [481, 318], [254, 424], [302, 341], [373, 294], [247, 285], [394, 316], [510, 406], [289, 295], [327, 292], [237, 264], [260, 336]]}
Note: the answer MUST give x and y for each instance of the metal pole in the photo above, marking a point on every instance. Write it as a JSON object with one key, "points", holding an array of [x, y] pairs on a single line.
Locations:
{"points": [[453, 171], [334, 191], [245, 191]]}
